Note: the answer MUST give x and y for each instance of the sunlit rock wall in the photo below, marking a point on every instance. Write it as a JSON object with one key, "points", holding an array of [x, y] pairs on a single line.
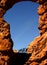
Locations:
{"points": [[38, 47]]}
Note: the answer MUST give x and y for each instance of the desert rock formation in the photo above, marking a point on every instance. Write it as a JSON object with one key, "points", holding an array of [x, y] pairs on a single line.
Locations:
{"points": [[6, 42], [37, 48]]}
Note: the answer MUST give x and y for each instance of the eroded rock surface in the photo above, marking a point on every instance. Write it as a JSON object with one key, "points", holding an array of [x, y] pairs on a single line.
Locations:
{"points": [[6, 42], [7, 4], [37, 48]]}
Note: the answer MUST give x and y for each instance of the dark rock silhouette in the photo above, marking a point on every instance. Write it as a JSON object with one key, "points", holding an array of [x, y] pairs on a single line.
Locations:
{"points": [[19, 58], [23, 50]]}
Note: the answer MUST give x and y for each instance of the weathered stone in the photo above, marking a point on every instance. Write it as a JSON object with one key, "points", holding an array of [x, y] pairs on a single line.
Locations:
{"points": [[5, 38], [41, 10], [3, 3], [2, 11], [44, 17], [39, 1], [15, 51], [4, 60], [4, 29], [7, 4], [45, 6], [34, 63], [5, 45], [44, 62], [37, 48], [42, 28]]}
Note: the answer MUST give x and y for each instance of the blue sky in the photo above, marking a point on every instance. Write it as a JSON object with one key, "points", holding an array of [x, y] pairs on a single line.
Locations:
{"points": [[23, 20]]}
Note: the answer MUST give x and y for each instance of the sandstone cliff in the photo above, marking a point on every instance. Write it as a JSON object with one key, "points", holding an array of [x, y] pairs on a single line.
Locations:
{"points": [[37, 49]]}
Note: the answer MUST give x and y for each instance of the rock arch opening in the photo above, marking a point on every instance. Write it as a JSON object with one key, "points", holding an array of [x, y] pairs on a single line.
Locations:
{"points": [[23, 19], [36, 48]]}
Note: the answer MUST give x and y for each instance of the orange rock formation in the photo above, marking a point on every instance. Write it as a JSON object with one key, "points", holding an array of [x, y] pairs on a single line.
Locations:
{"points": [[37, 48], [6, 42]]}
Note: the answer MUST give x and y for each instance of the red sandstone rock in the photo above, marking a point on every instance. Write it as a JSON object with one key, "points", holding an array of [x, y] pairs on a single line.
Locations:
{"points": [[7, 4], [5, 39], [41, 9], [45, 6], [5, 45], [4, 60], [2, 11], [44, 17], [34, 63], [44, 62], [4, 29], [3, 2], [37, 48], [15, 51]]}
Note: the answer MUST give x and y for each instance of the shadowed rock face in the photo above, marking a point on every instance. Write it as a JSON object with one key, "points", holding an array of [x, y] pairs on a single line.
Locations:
{"points": [[7, 4], [37, 48]]}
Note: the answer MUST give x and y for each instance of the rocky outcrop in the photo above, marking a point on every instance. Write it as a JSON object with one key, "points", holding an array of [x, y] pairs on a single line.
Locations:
{"points": [[7, 4], [5, 38], [38, 47], [38, 50], [39, 1], [6, 42], [42, 11]]}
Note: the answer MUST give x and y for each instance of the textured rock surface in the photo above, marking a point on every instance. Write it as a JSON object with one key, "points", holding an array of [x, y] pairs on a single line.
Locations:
{"points": [[5, 38], [6, 42], [37, 48], [7, 4], [4, 60]]}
